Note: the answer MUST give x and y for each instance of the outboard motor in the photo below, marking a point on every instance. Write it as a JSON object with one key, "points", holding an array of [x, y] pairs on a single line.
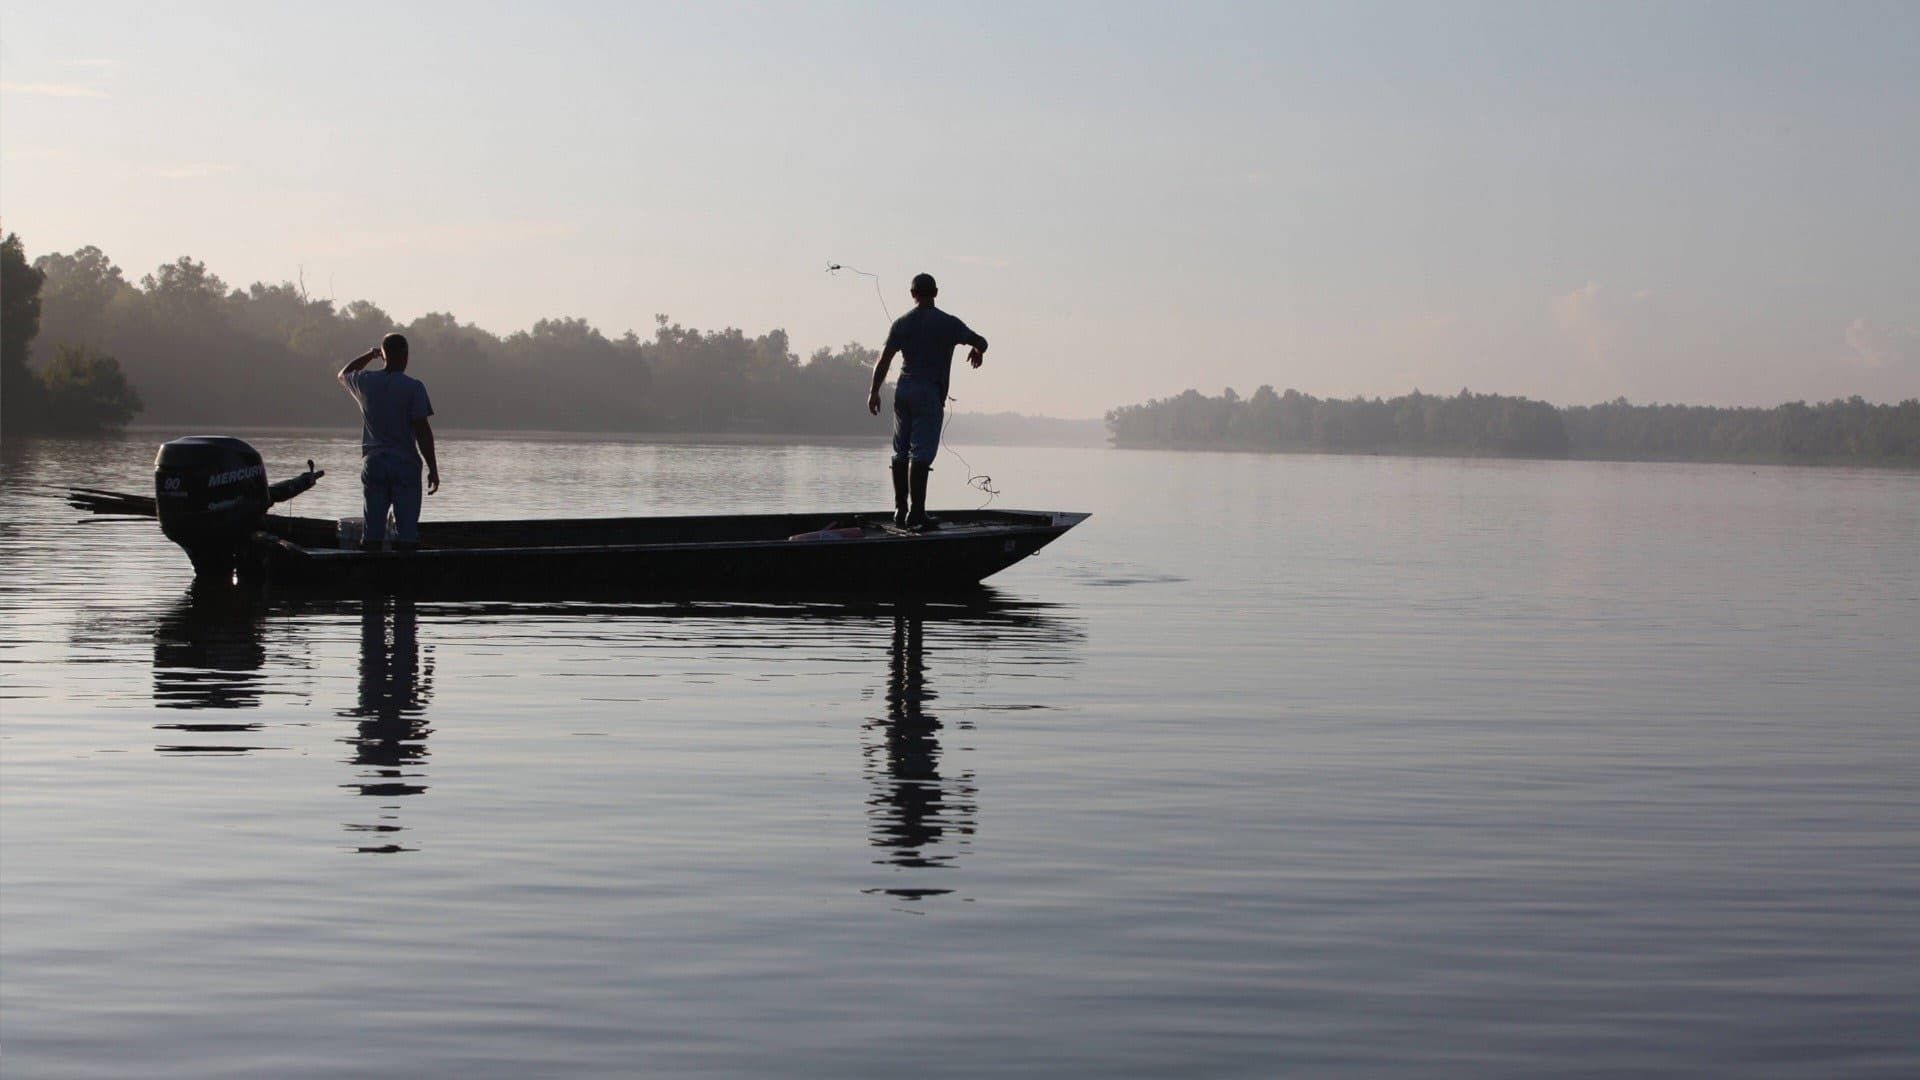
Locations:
{"points": [[210, 494]]}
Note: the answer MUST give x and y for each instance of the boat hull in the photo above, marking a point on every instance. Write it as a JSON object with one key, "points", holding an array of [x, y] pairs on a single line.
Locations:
{"points": [[722, 555]]}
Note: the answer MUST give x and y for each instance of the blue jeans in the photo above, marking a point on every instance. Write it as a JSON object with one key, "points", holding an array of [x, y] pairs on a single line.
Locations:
{"points": [[919, 407], [391, 480]]}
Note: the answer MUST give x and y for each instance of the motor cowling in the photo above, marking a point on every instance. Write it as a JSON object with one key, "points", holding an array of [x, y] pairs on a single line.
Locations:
{"points": [[210, 493]]}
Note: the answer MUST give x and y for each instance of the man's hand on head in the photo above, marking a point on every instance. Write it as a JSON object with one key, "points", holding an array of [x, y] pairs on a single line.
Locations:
{"points": [[354, 365]]}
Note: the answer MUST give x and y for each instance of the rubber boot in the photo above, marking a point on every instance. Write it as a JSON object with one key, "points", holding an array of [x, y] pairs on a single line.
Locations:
{"points": [[917, 489], [900, 494]]}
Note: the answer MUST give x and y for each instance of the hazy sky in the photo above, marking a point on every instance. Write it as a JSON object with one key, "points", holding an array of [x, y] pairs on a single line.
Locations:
{"points": [[1709, 203]]}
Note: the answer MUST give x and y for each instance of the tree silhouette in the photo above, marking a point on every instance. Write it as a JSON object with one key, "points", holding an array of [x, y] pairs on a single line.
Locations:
{"points": [[1469, 424]]}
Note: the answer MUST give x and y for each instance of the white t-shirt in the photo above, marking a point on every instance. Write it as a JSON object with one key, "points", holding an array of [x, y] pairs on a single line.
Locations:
{"points": [[390, 402]]}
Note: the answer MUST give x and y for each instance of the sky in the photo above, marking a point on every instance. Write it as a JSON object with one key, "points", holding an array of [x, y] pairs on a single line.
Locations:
{"points": [[1709, 203]]}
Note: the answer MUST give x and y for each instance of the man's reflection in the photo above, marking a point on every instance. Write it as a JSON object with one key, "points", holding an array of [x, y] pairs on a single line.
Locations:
{"points": [[914, 809], [390, 741]]}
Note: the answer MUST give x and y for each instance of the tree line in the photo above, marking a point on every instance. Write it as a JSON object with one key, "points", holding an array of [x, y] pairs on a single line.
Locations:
{"points": [[182, 347], [1851, 431], [78, 389]]}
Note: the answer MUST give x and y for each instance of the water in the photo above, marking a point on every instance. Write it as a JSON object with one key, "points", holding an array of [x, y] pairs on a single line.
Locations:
{"points": [[1278, 765]]}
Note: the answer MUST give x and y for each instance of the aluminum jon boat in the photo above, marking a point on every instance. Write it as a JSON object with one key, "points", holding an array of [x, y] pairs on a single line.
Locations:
{"points": [[212, 498], [801, 553]]}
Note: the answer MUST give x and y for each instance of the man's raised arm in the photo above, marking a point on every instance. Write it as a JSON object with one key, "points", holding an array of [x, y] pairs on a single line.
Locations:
{"points": [[356, 364]]}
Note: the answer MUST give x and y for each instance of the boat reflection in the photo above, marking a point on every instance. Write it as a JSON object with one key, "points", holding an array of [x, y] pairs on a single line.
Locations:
{"points": [[208, 654], [914, 809], [212, 652], [390, 741], [207, 651]]}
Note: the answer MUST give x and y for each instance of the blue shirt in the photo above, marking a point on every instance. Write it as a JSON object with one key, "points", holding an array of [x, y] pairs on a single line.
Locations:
{"points": [[926, 337], [390, 402]]}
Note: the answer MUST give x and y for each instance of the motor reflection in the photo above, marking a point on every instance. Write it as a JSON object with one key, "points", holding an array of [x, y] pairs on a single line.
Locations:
{"points": [[920, 818], [208, 654], [390, 739]]}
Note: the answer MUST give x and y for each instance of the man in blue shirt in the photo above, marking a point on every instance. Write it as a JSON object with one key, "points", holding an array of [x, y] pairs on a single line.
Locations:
{"points": [[394, 437], [927, 336]]}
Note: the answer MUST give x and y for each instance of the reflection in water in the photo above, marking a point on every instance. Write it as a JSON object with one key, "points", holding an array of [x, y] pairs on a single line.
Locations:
{"points": [[914, 809], [207, 654], [210, 653], [390, 742]]}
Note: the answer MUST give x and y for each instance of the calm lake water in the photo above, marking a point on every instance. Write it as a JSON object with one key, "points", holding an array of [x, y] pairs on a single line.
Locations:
{"points": [[1276, 766]]}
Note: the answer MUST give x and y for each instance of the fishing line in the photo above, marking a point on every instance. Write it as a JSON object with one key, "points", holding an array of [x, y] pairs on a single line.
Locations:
{"points": [[834, 268], [978, 481]]}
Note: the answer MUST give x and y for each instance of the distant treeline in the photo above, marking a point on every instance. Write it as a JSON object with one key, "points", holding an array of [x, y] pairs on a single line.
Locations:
{"points": [[1835, 432], [1019, 429], [195, 351], [77, 390]]}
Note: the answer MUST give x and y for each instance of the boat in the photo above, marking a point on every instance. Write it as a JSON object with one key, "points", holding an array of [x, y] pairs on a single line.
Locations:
{"points": [[211, 497]]}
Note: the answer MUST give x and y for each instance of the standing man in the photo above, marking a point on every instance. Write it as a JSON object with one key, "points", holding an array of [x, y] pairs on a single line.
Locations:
{"points": [[394, 437], [927, 336]]}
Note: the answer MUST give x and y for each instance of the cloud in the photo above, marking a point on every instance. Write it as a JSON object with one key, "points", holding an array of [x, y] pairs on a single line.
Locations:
{"points": [[1592, 316], [994, 262], [1882, 347], [1641, 342], [57, 90], [1574, 309], [1673, 345]]}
